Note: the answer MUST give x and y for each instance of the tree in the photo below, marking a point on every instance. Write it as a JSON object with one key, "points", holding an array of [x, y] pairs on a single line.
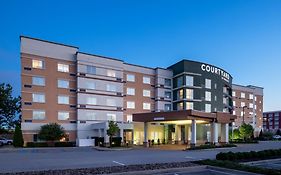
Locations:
{"points": [[236, 134], [261, 135], [112, 130], [51, 132], [246, 131], [18, 139], [10, 107]]}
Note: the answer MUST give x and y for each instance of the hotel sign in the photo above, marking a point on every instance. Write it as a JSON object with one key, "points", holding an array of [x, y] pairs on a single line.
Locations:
{"points": [[208, 68], [158, 118]]}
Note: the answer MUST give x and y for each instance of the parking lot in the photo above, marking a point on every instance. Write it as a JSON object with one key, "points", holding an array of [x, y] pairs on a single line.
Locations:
{"points": [[27, 159], [271, 164]]}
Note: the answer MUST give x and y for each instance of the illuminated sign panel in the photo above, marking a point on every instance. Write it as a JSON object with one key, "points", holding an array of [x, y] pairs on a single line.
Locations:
{"points": [[208, 68]]}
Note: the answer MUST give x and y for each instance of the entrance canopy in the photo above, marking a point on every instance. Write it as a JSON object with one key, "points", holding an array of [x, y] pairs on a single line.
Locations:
{"points": [[219, 117]]}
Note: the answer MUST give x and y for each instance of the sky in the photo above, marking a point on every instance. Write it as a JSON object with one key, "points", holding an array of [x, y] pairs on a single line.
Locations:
{"points": [[241, 36]]}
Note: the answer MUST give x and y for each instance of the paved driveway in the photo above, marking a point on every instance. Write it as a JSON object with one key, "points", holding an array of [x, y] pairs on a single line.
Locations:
{"points": [[64, 158]]}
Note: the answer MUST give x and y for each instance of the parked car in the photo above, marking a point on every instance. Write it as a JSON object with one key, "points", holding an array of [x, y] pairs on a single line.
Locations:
{"points": [[277, 137], [6, 141]]}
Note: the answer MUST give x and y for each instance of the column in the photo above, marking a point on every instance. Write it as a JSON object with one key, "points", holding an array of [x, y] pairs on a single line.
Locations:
{"points": [[186, 133], [224, 132], [214, 133], [106, 137], [122, 135], [178, 133], [145, 143], [193, 133]]}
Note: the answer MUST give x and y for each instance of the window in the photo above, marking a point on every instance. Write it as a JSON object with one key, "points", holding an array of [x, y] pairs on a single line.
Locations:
{"points": [[146, 93], [208, 96], [251, 105], [111, 117], [130, 104], [39, 98], [130, 91], [189, 105], [180, 106], [242, 104], [189, 93], [111, 73], [208, 83], [207, 107], [189, 80], [110, 102], [63, 99], [215, 85], [38, 114], [233, 93], [215, 98], [180, 94], [39, 81], [168, 82], [91, 100], [167, 107], [251, 96], [91, 69], [167, 94], [63, 67], [241, 113], [131, 77], [90, 85], [234, 103], [242, 95], [255, 98], [179, 81], [129, 118], [90, 115], [234, 112], [39, 64], [63, 115], [63, 83], [146, 106], [111, 87], [146, 80]]}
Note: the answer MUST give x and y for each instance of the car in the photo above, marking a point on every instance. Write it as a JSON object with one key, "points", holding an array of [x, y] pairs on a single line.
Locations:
{"points": [[6, 141], [277, 137]]}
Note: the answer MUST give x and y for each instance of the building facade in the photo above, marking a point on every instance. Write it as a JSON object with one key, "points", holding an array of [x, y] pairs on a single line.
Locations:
{"points": [[248, 106], [272, 121], [82, 92]]}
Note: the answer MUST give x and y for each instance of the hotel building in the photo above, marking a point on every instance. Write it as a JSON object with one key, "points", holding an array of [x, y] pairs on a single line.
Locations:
{"points": [[188, 102], [248, 99], [272, 121]]}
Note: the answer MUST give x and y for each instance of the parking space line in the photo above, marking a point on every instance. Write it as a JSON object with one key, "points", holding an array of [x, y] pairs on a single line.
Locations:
{"points": [[118, 163], [221, 172]]}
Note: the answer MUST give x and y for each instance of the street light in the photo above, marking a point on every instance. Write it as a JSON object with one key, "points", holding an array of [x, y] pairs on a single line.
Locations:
{"points": [[244, 114]]}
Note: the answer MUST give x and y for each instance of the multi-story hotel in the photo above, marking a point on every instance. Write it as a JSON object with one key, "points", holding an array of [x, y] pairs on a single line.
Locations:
{"points": [[272, 121], [188, 102], [248, 106]]}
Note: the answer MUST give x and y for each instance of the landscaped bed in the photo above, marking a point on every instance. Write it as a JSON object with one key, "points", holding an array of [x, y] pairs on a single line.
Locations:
{"points": [[210, 146]]}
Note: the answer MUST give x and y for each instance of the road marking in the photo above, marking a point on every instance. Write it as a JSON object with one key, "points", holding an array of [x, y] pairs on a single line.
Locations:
{"points": [[221, 172], [118, 163]]}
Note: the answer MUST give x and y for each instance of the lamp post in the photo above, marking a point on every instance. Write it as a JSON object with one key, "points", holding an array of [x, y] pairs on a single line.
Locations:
{"points": [[244, 113]]}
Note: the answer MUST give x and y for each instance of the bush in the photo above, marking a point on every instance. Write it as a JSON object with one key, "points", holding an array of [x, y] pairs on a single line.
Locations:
{"points": [[46, 144], [116, 141], [209, 146], [18, 139], [249, 155], [99, 141]]}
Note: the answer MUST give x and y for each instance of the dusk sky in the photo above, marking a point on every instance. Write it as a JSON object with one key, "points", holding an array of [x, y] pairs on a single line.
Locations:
{"points": [[243, 37]]}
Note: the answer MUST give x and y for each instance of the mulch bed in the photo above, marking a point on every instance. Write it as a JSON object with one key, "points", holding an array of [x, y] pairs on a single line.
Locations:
{"points": [[107, 170]]}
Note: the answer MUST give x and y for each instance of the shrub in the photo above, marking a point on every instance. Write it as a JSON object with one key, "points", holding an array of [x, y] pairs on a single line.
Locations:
{"points": [[65, 144], [116, 141], [18, 139], [36, 144], [45, 144], [51, 132]]}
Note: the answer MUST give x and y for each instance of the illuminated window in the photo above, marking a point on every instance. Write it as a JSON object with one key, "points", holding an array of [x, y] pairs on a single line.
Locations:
{"points": [[129, 118], [146, 106], [251, 96], [39, 81], [38, 98], [63, 99], [63, 67], [180, 106], [111, 73], [207, 107], [130, 104], [131, 77], [189, 93], [208, 83], [146, 93], [233, 93], [38, 114], [180, 94], [242, 95], [130, 91], [189, 105], [63, 115], [39, 64], [208, 96], [146, 80], [63, 83]]}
